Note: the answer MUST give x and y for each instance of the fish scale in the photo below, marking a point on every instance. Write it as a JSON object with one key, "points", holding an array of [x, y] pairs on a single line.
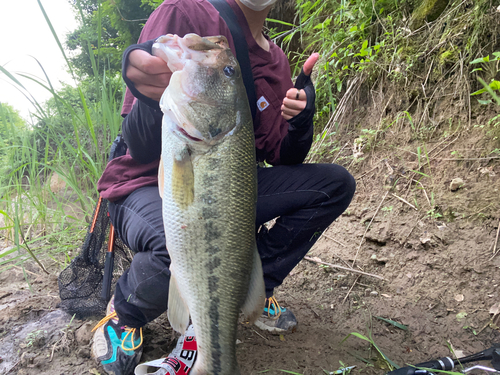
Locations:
{"points": [[208, 185]]}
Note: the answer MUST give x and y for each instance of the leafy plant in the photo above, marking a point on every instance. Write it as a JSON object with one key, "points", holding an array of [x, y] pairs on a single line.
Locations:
{"points": [[344, 33], [491, 67]]}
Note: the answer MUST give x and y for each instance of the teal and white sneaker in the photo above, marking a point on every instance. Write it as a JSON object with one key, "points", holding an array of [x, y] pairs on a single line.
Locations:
{"points": [[117, 347], [275, 318]]}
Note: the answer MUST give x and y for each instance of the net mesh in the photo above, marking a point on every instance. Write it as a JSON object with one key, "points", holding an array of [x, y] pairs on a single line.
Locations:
{"points": [[81, 283]]}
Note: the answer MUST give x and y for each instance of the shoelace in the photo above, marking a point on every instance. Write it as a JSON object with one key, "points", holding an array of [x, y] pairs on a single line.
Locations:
{"points": [[276, 306], [130, 331]]}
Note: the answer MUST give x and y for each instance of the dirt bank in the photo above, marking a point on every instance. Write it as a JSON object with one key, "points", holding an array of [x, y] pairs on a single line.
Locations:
{"points": [[440, 279]]}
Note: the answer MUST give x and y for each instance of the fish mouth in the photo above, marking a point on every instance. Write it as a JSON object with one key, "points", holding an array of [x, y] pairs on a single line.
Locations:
{"points": [[187, 135]]}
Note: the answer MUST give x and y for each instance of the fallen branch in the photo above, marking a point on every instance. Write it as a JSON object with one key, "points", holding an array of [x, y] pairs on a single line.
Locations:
{"points": [[425, 193], [265, 338], [464, 159], [343, 268], [334, 240], [342, 149], [404, 201], [349, 292]]}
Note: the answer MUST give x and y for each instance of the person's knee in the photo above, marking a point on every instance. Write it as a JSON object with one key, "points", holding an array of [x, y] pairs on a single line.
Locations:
{"points": [[350, 184], [340, 180]]}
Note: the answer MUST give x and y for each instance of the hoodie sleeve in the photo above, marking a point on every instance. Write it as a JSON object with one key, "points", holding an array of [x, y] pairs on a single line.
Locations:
{"points": [[297, 143]]}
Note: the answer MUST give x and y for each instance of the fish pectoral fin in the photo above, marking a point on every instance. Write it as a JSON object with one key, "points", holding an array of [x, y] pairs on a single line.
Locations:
{"points": [[256, 297], [160, 177], [183, 178], [178, 312]]}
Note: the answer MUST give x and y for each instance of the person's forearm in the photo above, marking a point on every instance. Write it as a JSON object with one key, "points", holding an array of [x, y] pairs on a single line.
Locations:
{"points": [[298, 141], [296, 144], [142, 132]]}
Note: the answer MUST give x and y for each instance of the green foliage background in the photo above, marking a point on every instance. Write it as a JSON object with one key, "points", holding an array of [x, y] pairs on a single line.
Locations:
{"points": [[361, 42]]}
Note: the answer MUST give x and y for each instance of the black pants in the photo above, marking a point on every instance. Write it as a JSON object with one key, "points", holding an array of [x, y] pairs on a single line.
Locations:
{"points": [[307, 198]]}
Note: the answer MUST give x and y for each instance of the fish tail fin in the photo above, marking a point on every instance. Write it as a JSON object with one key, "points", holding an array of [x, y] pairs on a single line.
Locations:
{"points": [[256, 297]]}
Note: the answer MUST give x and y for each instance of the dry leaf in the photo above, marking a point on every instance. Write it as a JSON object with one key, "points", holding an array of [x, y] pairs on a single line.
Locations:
{"points": [[495, 309]]}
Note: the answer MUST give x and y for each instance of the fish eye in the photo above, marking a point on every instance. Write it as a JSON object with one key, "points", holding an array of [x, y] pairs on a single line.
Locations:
{"points": [[228, 71]]}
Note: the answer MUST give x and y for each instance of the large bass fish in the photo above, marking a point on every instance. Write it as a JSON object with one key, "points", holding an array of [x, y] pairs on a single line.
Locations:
{"points": [[208, 183]]}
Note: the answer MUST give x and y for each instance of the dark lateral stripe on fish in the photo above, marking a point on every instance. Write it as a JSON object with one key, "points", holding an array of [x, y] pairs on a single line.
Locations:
{"points": [[212, 250], [214, 334], [211, 232], [210, 213], [208, 197], [213, 263]]}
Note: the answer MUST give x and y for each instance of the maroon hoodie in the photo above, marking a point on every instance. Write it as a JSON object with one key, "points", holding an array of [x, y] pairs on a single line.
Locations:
{"points": [[276, 140]]}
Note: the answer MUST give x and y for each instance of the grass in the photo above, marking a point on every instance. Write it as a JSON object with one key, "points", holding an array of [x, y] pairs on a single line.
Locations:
{"points": [[367, 45], [70, 137]]}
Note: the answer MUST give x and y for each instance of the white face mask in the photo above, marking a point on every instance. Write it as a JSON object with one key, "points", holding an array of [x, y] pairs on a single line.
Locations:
{"points": [[257, 5]]}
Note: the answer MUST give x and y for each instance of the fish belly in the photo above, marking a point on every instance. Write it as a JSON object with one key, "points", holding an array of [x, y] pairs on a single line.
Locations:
{"points": [[211, 240]]}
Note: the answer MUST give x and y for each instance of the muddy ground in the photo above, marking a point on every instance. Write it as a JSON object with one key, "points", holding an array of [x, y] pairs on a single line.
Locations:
{"points": [[431, 268]]}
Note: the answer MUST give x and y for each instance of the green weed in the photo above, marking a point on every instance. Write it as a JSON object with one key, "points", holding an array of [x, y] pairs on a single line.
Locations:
{"points": [[32, 337], [70, 135], [387, 209], [389, 364]]}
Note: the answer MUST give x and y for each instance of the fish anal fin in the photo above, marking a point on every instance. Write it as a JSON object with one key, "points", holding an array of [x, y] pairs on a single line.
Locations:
{"points": [[177, 313], [256, 297], [182, 179]]}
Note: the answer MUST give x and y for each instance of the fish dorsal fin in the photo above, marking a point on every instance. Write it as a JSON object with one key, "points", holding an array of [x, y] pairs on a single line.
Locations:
{"points": [[182, 178], [256, 297], [160, 177], [177, 313]]}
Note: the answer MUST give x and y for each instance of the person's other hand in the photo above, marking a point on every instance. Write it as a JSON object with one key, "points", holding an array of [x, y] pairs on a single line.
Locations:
{"points": [[150, 74], [296, 98]]}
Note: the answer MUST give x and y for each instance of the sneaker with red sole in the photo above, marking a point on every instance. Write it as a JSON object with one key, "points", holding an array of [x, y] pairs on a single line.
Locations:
{"points": [[179, 362]]}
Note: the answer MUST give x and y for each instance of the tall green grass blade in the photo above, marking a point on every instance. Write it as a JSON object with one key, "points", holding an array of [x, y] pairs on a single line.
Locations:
{"points": [[54, 34], [20, 87], [280, 22], [360, 336], [392, 322]]}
